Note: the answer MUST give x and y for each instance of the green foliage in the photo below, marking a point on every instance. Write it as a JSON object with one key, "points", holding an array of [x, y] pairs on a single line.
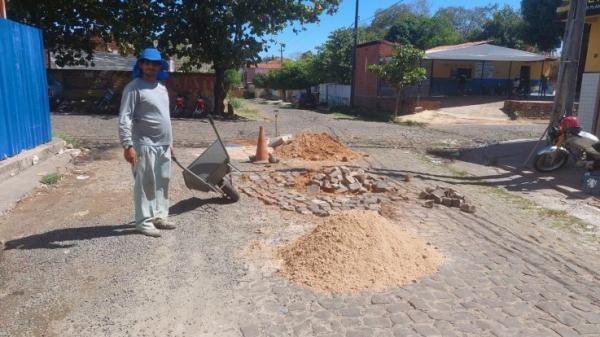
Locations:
{"points": [[68, 26], [468, 22], [410, 122], [402, 70], [423, 32], [385, 18], [232, 78], [235, 102], [541, 27], [505, 29], [51, 179], [333, 61], [243, 109], [230, 34], [74, 142], [293, 75]]}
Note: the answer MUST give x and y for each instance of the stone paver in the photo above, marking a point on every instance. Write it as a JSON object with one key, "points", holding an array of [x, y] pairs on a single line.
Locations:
{"points": [[506, 274]]}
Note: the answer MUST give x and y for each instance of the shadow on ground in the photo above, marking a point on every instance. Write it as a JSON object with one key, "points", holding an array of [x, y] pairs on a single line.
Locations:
{"points": [[63, 238], [191, 204], [508, 159]]}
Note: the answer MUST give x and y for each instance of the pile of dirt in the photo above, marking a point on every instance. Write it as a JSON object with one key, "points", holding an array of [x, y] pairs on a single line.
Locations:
{"points": [[356, 251], [316, 147]]}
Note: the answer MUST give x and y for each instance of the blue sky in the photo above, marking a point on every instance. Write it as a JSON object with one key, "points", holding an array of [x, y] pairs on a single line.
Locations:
{"points": [[316, 34]]}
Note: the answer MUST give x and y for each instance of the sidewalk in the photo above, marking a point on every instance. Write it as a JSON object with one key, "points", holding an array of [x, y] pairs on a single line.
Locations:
{"points": [[17, 187]]}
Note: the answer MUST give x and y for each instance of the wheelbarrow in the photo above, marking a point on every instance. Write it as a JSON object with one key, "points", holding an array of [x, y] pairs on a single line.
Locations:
{"points": [[211, 171]]}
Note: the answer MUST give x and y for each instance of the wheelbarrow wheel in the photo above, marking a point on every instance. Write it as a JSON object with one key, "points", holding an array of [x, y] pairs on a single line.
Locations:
{"points": [[231, 193]]}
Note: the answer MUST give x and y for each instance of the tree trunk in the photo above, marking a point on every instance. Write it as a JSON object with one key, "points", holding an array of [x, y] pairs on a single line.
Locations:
{"points": [[397, 104], [219, 91]]}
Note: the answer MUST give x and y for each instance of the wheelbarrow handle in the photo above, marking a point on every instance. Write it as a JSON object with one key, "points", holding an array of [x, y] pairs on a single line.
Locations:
{"points": [[174, 159]]}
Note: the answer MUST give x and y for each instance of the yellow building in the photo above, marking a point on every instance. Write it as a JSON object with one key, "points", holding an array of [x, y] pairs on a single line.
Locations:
{"points": [[481, 68], [589, 98]]}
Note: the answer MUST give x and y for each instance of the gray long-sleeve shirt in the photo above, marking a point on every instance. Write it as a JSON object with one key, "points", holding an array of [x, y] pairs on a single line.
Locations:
{"points": [[144, 114]]}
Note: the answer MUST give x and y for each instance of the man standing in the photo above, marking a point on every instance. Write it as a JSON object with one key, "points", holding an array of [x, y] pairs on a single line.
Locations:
{"points": [[146, 136]]}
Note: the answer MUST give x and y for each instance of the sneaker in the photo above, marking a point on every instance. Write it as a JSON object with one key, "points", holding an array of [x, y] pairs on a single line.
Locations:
{"points": [[150, 231], [163, 224]]}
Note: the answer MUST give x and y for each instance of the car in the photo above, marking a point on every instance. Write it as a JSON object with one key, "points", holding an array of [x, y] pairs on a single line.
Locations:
{"points": [[55, 92]]}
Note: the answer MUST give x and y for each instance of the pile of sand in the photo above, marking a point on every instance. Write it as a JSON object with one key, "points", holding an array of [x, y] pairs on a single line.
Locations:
{"points": [[356, 251], [316, 147]]}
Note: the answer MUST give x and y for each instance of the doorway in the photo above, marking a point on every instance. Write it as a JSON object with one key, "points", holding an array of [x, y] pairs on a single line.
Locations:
{"points": [[525, 80]]}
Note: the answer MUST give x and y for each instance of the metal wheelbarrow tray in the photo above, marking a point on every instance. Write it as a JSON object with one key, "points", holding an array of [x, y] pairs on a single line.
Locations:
{"points": [[211, 171]]}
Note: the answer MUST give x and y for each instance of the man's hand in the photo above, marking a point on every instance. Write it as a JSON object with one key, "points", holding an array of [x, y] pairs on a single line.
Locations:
{"points": [[172, 151], [130, 155]]}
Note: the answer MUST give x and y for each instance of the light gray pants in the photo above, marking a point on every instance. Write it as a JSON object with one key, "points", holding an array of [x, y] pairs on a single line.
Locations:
{"points": [[152, 173]]}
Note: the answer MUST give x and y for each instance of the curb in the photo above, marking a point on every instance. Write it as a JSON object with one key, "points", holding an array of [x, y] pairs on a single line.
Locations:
{"points": [[12, 166]]}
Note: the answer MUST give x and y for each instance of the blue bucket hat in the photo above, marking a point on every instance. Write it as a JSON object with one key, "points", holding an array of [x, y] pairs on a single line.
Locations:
{"points": [[152, 54]]}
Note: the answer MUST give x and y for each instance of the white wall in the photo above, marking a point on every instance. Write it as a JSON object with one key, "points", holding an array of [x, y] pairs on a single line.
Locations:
{"points": [[589, 101], [334, 94]]}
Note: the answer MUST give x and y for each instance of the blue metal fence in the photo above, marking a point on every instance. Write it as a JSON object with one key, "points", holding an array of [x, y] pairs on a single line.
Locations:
{"points": [[24, 107]]}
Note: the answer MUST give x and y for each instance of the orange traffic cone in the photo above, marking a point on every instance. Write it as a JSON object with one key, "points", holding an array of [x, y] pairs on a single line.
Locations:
{"points": [[262, 151]]}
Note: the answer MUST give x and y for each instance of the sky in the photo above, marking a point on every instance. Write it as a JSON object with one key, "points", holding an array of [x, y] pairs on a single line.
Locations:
{"points": [[316, 34]]}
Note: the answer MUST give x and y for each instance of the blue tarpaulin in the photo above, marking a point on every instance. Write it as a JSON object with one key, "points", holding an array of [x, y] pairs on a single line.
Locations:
{"points": [[24, 106]]}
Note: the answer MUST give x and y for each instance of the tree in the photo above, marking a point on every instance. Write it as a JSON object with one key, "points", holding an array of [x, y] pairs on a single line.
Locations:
{"points": [[384, 19], [333, 60], [505, 29], [468, 22], [232, 77], [299, 74], [401, 71], [541, 26], [72, 29], [230, 34], [423, 32]]}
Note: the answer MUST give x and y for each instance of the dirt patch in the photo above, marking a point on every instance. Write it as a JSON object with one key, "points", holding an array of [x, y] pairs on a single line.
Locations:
{"points": [[316, 147], [356, 251]]}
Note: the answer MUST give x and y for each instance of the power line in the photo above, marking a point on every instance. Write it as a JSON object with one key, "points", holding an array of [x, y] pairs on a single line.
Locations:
{"points": [[372, 16]]}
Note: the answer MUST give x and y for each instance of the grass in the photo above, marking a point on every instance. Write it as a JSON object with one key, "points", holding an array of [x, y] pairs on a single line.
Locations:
{"points": [[242, 109], [457, 172], [51, 179], [236, 102], [346, 112], [67, 138], [559, 219], [412, 123], [339, 115]]}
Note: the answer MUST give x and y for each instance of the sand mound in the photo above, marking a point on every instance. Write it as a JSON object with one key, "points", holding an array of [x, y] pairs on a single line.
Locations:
{"points": [[316, 147], [356, 251]]}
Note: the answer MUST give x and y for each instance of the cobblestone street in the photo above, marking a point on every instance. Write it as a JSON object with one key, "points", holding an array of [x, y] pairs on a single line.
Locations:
{"points": [[506, 275], [509, 269]]}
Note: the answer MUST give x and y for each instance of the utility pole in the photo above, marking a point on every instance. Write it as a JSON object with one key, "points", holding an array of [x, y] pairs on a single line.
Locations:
{"points": [[569, 61], [569, 67], [2, 9], [353, 78], [281, 46]]}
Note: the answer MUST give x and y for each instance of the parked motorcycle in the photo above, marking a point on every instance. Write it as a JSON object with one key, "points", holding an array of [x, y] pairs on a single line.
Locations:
{"points": [[103, 104], [568, 140], [199, 108], [179, 109]]}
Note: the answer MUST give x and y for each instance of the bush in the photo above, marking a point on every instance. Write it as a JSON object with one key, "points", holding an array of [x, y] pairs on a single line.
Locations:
{"points": [[51, 179], [236, 102]]}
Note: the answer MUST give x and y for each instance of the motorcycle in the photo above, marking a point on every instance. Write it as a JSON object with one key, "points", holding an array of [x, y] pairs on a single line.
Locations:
{"points": [[103, 104], [199, 108], [568, 140], [179, 109]]}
